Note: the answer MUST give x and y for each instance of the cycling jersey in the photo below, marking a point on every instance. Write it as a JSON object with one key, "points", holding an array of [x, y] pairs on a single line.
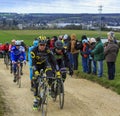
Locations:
{"points": [[18, 54], [40, 57]]}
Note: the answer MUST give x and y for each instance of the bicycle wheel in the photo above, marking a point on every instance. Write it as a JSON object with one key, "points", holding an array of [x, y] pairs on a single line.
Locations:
{"points": [[61, 93], [55, 88], [44, 102], [7, 61], [39, 96], [18, 76]]}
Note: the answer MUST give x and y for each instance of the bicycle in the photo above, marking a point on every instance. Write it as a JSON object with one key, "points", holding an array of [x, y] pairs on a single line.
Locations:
{"points": [[43, 92], [18, 72], [58, 87], [6, 59]]}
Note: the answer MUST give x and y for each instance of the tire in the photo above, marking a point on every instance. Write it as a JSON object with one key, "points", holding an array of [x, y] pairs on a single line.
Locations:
{"points": [[61, 94], [18, 76], [7, 61], [56, 92], [44, 102]]}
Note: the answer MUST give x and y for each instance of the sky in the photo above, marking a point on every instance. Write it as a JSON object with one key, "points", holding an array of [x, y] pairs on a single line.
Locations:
{"points": [[60, 6]]}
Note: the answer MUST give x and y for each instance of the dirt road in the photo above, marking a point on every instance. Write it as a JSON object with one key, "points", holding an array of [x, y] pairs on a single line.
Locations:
{"points": [[82, 98]]}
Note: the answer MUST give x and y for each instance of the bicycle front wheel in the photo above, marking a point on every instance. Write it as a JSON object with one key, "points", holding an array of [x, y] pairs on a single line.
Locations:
{"points": [[61, 94], [44, 103]]}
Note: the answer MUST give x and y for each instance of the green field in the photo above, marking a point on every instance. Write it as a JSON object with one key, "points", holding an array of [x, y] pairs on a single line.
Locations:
{"points": [[29, 35]]}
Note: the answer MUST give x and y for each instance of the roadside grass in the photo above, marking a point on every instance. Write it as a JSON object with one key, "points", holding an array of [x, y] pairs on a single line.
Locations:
{"points": [[111, 84]]}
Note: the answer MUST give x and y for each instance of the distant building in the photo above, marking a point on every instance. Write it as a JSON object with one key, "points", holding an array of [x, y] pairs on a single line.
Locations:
{"points": [[20, 26], [115, 28]]}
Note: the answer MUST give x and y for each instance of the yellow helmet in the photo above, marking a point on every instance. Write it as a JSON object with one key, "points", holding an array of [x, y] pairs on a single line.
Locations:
{"points": [[42, 39]]}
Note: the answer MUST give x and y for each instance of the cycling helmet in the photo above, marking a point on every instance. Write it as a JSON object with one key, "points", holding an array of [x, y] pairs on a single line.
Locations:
{"points": [[35, 43], [17, 43], [65, 36], [7, 43], [13, 40], [59, 45], [42, 39]]}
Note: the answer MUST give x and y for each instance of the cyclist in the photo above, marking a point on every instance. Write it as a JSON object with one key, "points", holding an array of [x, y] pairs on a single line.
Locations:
{"points": [[62, 58], [10, 48], [5, 49], [17, 54], [42, 58], [35, 44]]}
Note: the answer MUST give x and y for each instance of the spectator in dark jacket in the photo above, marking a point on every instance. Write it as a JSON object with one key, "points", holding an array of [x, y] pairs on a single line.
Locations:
{"points": [[98, 53], [111, 51]]}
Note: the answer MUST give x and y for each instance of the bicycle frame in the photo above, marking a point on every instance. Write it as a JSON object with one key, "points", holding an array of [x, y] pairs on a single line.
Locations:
{"points": [[43, 92], [18, 73]]}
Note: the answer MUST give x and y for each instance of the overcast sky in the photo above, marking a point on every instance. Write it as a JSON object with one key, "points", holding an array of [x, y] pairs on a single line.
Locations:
{"points": [[59, 6]]}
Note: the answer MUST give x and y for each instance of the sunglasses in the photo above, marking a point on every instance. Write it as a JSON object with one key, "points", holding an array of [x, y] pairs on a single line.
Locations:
{"points": [[42, 44]]}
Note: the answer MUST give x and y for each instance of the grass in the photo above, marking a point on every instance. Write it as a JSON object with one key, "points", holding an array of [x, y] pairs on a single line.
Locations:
{"points": [[111, 84], [29, 35]]}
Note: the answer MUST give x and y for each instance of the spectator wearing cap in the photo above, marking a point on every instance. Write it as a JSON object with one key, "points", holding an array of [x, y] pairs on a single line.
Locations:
{"points": [[111, 52], [85, 55], [98, 53], [92, 62]]}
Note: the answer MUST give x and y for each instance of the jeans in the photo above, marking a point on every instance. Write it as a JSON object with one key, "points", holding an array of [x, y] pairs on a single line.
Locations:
{"points": [[70, 55], [75, 59], [100, 68], [111, 70], [94, 67], [85, 64]]}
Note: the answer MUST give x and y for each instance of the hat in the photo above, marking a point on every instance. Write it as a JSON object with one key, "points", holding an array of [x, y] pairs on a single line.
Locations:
{"points": [[84, 41], [92, 40], [111, 33]]}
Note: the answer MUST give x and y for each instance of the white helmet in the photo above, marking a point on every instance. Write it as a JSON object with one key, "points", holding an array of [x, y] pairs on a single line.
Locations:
{"points": [[65, 36], [17, 43], [13, 40]]}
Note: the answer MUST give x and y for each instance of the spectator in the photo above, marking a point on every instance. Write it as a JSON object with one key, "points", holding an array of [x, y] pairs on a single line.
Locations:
{"points": [[98, 53], [85, 55], [74, 52], [111, 52], [92, 62], [111, 36]]}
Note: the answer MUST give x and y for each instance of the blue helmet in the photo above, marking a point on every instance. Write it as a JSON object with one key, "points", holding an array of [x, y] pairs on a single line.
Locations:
{"points": [[35, 43]]}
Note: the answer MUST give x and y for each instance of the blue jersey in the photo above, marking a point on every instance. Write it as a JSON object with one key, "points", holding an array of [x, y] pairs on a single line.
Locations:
{"points": [[18, 54], [35, 44], [29, 55]]}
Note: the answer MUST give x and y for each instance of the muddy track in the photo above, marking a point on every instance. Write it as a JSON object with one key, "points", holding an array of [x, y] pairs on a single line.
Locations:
{"points": [[82, 98]]}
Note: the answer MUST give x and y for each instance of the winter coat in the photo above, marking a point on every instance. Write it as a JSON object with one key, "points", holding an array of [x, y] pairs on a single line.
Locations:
{"points": [[98, 51], [111, 51], [72, 44]]}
